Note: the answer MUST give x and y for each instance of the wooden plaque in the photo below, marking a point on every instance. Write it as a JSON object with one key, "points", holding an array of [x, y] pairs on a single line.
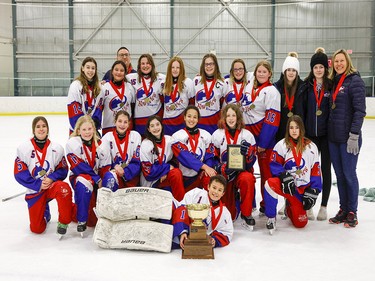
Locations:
{"points": [[236, 161]]}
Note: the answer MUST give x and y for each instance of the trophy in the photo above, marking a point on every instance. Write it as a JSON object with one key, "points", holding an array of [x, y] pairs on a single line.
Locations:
{"points": [[198, 245]]}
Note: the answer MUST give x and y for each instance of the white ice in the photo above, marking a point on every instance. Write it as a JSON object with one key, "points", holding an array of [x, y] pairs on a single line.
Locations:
{"points": [[320, 251]]}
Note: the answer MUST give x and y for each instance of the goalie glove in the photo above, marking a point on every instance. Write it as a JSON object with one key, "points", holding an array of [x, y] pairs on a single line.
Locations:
{"points": [[287, 183], [309, 198]]}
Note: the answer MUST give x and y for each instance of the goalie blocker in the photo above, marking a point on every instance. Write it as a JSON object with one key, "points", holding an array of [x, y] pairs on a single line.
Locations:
{"points": [[133, 235], [134, 203]]}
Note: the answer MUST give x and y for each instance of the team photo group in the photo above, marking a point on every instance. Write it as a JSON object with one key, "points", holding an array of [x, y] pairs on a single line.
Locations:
{"points": [[172, 137]]}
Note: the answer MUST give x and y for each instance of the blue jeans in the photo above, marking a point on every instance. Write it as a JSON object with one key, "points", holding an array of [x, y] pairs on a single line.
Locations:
{"points": [[345, 166]]}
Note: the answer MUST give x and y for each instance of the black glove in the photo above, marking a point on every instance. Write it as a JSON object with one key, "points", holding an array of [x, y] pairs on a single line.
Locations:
{"points": [[287, 183], [309, 198], [227, 173], [246, 149]]}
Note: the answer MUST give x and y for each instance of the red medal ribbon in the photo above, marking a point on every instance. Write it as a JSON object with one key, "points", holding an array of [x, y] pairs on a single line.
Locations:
{"points": [[44, 152], [337, 89], [297, 156], [130, 69], [174, 93], [317, 97], [255, 92], [289, 101], [115, 88], [162, 146], [91, 159], [229, 137], [208, 91], [119, 142], [215, 220], [193, 140], [145, 86], [89, 96], [236, 93]]}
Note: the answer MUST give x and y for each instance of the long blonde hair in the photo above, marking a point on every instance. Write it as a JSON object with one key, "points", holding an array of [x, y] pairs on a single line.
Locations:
{"points": [[169, 78], [81, 120]]}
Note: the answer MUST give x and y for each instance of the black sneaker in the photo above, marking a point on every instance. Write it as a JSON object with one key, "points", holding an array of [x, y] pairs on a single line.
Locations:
{"points": [[339, 218], [351, 220], [81, 227]]}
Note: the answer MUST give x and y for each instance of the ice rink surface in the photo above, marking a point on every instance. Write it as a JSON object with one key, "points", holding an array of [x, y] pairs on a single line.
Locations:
{"points": [[320, 251]]}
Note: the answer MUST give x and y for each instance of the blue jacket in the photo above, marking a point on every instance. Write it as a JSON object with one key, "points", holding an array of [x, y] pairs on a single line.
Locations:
{"points": [[316, 126], [350, 108]]}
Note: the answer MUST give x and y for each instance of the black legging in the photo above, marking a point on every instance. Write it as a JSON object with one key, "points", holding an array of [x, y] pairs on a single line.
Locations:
{"points": [[325, 163]]}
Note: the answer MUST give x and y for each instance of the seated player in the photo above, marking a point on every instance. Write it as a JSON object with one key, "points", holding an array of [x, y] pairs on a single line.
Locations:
{"points": [[219, 222]]}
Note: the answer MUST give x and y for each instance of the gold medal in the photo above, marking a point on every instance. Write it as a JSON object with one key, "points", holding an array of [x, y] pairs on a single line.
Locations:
{"points": [[318, 112], [333, 106], [252, 106], [42, 173], [207, 104], [290, 114], [298, 172], [121, 104], [123, 165], [89, 111]]}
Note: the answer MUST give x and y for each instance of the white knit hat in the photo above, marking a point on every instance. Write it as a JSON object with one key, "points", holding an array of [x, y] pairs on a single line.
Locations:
{"points": [[291, 62]]}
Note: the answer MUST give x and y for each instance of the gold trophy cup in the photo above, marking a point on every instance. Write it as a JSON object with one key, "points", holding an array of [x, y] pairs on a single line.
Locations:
{"points": [[198, 245]]}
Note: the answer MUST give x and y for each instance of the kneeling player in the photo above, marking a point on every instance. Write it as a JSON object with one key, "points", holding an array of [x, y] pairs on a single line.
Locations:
{"points": [[296, 169], [219, 222]]}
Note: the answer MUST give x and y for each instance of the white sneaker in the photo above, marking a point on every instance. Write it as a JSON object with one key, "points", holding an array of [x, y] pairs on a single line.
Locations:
{"points": [[310, 214], [322, 215]]}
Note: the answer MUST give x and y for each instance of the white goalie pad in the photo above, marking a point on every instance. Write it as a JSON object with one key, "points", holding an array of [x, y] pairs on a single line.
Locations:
{"points": [[133, 235], [134, 203]]}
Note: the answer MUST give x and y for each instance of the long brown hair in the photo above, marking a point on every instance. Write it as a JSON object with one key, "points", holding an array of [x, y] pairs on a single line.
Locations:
{"points": [[153, 73], [302, 141], [150, 136], [169, 77], [83, 79], [36, 120], [222, 124], [202, 73]]}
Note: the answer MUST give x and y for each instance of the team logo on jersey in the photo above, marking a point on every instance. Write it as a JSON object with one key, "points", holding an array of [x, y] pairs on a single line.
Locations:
{"points": [[39, 172], [201, 97], [115, 104], [198, 153], [119, 160], [290, 165], [142, 96], [231, 98]]}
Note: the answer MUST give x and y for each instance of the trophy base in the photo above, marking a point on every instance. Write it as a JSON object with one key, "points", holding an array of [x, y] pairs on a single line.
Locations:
{"points": [[198, 249]]}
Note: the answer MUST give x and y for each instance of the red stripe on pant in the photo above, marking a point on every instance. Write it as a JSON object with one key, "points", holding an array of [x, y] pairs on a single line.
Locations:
{"points": [[265, 170]]}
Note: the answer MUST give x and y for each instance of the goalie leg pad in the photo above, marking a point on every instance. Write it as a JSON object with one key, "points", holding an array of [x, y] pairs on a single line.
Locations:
{"points": [[133, 235], [134, 202]]}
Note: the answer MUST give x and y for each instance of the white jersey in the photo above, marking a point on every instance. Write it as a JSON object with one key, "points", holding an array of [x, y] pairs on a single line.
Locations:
{"points": [[224, 225], [204, 144], [174, 107], [113, 102], [28, 169], [230, 95], [209, 107], [152, 169], [109, 146], [80, 103], [75, 149], [147, 102], [221, 144], [282, 159]]}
